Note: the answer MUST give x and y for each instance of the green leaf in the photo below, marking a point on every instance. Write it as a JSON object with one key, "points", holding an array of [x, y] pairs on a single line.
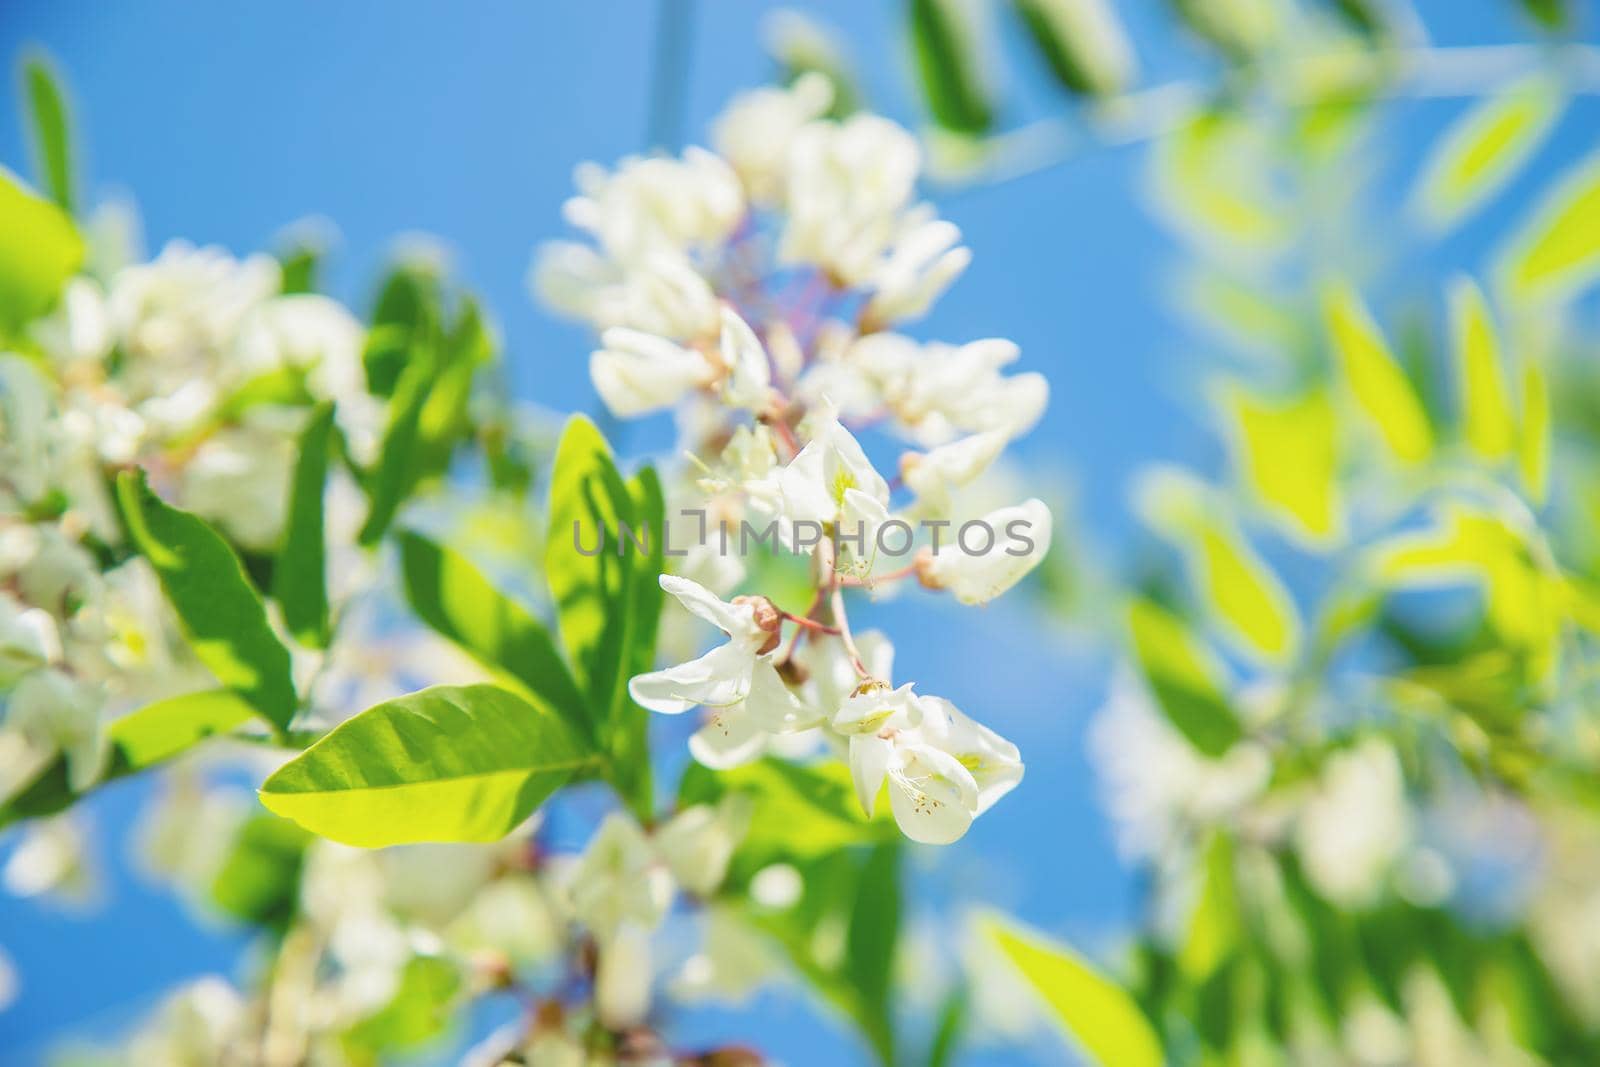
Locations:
{"points": [[139, 740], [1487, 415], [1082, 41], [50, 130], [607, 602], [871, 940], [259, 881], [39, 250], [1533, 452], [299, 577], [1094, 1012], [445, 417], [405, 322], [157, 732], [1240, 28], [1184, 677], [1241, 595], [466, 763], [218, 609], [1213, 931], [399, 456], [419, 1011], [1213, 181], [1482, 151], [797, 812], [452, 596], [802, 46], [1551, 14], [1287, 454], [1557, 253], [1380, 388], [944, 39]]}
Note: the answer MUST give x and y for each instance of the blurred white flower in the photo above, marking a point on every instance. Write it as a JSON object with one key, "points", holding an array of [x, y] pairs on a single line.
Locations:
{"points": [[1355, 824], [1004, 547]]}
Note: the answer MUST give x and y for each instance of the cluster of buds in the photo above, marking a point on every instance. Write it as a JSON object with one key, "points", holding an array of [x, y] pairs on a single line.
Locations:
{"points": [[755, 290]]}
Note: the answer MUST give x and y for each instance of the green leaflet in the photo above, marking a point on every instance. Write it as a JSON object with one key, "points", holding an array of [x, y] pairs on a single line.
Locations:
{"points": [[1482, 151], [259, 881], [797, 813], [398, 459], [1184, 677], [420, 1010], [1287, 456], [139, 740], [299, 576], [1094, 1012], [219, 611], [39, 250], [1488, 417], [450, 763], [948, 66], [456, 599], [1380, 388], [608, 601], [1557, 253], [1082, 41], [51, 131]]}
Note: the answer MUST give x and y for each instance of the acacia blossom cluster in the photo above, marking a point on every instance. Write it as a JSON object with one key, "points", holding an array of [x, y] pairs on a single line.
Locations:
{"points": [[756, 291]]}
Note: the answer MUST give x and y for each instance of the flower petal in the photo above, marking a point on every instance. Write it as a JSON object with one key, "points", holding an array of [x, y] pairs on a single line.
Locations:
{"points": [[717, 679]]}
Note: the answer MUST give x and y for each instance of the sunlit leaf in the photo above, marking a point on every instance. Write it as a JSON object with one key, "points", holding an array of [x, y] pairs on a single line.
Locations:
{"points": [[1533, 452], [139, 740], [1213, 181], [944, 38], [399, 458], [1240, 594], [449, 763], [1239, 27], [1557, 253], [299, 576], [1184, 677], [1287, 454], [1487, 414], [1096, 1014], [608, 600], [452, 596], [1380, 388], [1483, 150], [1213, 930], [218, 609], [259, 881], [50, 130], [39, 250], [1082, 41], [419, 1010]]}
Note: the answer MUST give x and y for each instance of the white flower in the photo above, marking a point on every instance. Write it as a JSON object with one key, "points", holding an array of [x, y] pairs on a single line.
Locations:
{"points": [[756, 131], [925, 258], [26, 407], [78, 332], [733, 961], [239, 479], [938, 391], [202, 1023], [663, 294], [994, 763], [619, 880], [1356, 824], [814, 484], [848, 184], [636, 372], [986, 557], [51, 709], [720, 677], [1156, 784], [28, 639], [52, 857], [623, 974], [748, 380], [698, 842], [659, 204], [742, 731], [934, 474]]}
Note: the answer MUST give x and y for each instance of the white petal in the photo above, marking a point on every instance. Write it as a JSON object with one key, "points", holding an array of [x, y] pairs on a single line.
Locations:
{"points": [[869, 762], [735, 620], [1020, 539], [749, 371], [730, 738], [717, 679], [933, 796]]}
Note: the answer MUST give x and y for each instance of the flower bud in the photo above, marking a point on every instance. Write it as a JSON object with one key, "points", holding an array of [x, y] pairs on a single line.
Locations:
{"points": [[767, 618]]}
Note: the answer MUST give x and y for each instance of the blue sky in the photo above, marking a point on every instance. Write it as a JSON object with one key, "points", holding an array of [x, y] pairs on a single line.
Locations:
{"points": [[226, 122]]}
